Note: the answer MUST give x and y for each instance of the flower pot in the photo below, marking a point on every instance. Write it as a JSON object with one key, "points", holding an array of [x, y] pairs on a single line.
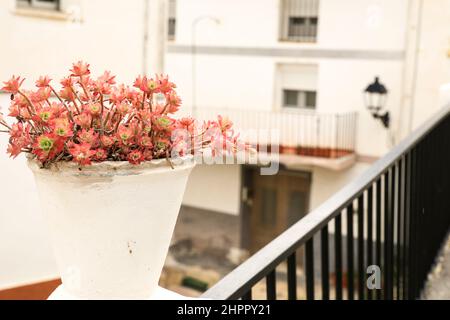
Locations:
{"points": [[111, 223]]}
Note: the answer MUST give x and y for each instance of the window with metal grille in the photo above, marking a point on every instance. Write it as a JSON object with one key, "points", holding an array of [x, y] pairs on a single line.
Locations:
{"points": [[299, 20], [171, 20], [39, 4], [299, 99]]}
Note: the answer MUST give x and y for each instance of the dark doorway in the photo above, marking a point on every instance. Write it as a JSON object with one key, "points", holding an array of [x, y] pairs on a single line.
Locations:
{"points": [[271, 204]]}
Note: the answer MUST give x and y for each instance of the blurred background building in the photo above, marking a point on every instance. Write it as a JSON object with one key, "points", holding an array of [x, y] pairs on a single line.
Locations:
{"points": [[298, 66]]}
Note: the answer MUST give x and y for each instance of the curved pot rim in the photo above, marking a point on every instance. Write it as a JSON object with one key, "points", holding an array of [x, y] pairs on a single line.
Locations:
{"points": [[109, 168]]}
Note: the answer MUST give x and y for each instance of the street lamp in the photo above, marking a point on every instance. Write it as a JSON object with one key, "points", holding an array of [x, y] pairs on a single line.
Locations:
{"points": [[194, 57], [375, 96]]}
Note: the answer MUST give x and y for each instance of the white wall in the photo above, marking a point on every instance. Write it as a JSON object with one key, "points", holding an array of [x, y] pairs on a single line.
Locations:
{"points": [[25, 252], [326, 182], [433, 66], [224, 81], [362, 24], [107, 38], [345, 24], [214, 187]]}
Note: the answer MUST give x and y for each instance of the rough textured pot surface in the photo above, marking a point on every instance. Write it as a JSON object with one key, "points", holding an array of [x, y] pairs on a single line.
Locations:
{"points": [[111, 223]]}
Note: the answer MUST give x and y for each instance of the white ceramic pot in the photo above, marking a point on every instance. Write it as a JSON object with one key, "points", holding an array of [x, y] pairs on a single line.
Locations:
{"points": [[111, 223]]}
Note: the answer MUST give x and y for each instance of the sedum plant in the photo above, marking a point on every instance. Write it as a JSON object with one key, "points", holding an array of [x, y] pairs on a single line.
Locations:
{"points": [[89, 120]]}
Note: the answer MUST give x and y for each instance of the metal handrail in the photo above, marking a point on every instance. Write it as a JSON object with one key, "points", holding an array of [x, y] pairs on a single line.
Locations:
{"points": [[235, 284]]}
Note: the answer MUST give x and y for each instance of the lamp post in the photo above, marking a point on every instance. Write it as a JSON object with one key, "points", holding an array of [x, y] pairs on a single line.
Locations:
{"points": [[375, 96], [194, 53]]}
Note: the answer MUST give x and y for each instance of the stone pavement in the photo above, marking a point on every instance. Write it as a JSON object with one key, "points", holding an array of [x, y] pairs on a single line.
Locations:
{"points": [[438, 284]]}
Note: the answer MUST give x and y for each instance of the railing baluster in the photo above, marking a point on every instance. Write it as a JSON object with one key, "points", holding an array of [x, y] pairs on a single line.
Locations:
{"points": [[406, 224], [387, 227], [338, 256], [378, 231], [400, 230], [417, 216], [350, 278], [247, 295], [369, 234], [391, 211], [292, 276], [361, 271], [271, 285], [325, 263], [309, 252], [412, 221]]}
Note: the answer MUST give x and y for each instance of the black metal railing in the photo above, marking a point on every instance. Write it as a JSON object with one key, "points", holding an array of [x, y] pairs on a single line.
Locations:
{"points": [[395, 216]]}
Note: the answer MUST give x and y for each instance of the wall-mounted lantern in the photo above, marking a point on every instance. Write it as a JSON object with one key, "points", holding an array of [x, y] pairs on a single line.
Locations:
{"points": [[375, 96]]}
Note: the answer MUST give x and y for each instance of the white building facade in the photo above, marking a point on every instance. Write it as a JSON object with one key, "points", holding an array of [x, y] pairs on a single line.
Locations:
{"points": [[305, 58], [243, 46]]}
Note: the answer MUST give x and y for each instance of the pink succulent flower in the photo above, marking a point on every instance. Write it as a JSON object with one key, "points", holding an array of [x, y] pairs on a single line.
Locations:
{"points": [[100, 154], [88, 136], [47, 147], [61, 127], [165, 86], [80, 69], [108, 78], [224, 123], [13, 85], [43, 82], [84, 120], [81, 153], [107, 141], [135, 157], [94, 109]]}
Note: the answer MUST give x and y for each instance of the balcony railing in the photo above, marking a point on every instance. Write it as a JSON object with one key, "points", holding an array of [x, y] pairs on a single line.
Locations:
{"points": [[303, 133], [395, 216]]}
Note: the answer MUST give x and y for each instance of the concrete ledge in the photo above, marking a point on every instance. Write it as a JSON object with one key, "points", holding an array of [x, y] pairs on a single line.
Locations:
{"points": [[41, 14]]}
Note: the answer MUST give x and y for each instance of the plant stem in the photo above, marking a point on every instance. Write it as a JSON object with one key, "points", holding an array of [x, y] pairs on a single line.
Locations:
{"points": [[33, 110], [78, 98], [168, 160], [63, 103], [84, 88]]}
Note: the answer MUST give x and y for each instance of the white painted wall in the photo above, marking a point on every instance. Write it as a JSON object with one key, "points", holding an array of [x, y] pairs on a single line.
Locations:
{"points": [[25, 252], [326, 182], [346, 24], [215, 188], [433, 66], [32, 46], [362, 24]]}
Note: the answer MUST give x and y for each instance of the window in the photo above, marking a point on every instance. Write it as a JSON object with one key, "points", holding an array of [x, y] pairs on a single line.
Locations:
{"points": [[295, 86], [39, 4], [299, 99], [299, 20], [171, 31], [171, 20], [302, 28]]}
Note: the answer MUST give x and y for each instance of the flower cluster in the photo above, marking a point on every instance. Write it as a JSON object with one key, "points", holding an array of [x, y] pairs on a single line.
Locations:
{"points": [[95, 119]]}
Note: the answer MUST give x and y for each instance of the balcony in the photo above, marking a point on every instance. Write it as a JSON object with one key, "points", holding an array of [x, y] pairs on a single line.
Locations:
{"points": [[300, 137], [390, 222]]}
